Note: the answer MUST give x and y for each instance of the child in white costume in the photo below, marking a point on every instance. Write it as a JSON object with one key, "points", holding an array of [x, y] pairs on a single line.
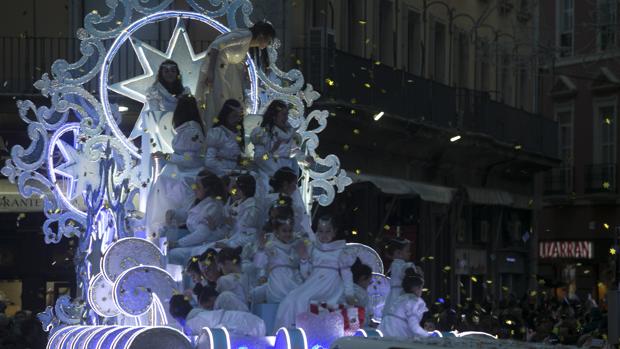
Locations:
{"points": [[399, 250], [205, 220], [223, 71], [362, 275], [275, 143], [241, 213], [284, 183], [172, 189], [232, 280], [402, 317], [278, 261], [326, 269], [225, 142], [161, 97], [193, 320]]}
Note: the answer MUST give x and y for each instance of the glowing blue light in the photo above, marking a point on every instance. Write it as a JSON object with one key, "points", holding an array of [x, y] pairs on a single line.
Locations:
{"points": [[126, 33], [441, 300]]}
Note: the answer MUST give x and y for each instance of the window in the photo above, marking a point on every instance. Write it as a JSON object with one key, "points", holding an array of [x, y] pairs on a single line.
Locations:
{"points": [[565, 27], [506, 79], [438, 58], [357, 32], [386, 32], [414, 62], [601, 175], [462, 60], [606, 22], [605, 133], [563, 182]]}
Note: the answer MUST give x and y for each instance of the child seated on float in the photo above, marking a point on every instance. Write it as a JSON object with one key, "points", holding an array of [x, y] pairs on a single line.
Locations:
{"points": [[277, 261], [362, 275], [193, 320], [232, 285], [204, 221], [402, 317], [241, 213], [225, 140]]}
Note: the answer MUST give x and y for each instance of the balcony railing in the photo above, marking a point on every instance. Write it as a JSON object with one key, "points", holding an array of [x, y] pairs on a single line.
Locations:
{"points": [[601, 178], [363, 81], [559, 181], [24, 60]]}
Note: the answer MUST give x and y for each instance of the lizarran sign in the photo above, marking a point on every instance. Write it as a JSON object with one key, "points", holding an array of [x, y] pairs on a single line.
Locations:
{"points": [[566, 249]]}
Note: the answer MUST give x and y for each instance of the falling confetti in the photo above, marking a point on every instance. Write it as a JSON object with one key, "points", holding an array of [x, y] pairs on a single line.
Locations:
{"points": [[474, 279], [356, 131], [354, 232], [345, 147], [606, 226], [362, 22], [358, 171], [367, 85], [606, 185], [329, 82], [447, 268], [612, 251]]}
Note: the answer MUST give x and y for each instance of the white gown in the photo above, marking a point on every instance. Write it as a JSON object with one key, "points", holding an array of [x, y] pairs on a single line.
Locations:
{"points": [[229, 74], [328, 275], [245, 215], [156, 118], [223, 151], [200, 234], [236, 284], [172, 190], [239, 323], [286, 154], [397, 273], [280, 264], [402, 318]]}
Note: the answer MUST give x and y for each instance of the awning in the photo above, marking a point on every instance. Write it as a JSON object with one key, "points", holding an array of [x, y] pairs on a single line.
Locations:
{"points": [[396, 186], [493, 197]]}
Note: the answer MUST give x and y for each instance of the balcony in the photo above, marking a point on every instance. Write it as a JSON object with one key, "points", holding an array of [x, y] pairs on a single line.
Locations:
{"points": [[357, 80], [559, 181], [600, 178], [24, 60]]}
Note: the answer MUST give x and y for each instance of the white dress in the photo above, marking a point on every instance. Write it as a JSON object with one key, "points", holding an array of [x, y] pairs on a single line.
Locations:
{"points": [[244, 215], [239, 323], [403, 317], [286, 154], [223, 151], [235, 283], [172, 190], [200, 234], [229, 73], [280, 264], [328, 276], [397, 273], [156, 118]]}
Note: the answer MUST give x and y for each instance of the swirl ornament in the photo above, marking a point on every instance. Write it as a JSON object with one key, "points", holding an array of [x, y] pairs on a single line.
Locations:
{"points": [[367, 255]]}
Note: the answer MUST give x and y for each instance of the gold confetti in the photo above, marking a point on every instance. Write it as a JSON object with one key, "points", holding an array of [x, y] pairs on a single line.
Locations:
{"points": [[329, 82], [356, 131], [606, 185], [203, 106], [362, 22], [533, 293], [447, 268], [194, 259], [216, 120], [218, 198], [358, 171], [233, 191], [430, 258], [367, 41], [298, 61], [265, 157], [367, 85], [505, 288], [386, 227], [353, 112], [518, 147], [377, 62], [606, 226], [353, 100], [608, 121], [489, 282], [239, 139], [474, 279], [354, 232], [345, 147], [612, 251], [94, 12]]}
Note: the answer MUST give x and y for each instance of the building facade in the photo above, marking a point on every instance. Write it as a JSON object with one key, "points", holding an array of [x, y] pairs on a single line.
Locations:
{"points": [[435, 112], [580, 92]]}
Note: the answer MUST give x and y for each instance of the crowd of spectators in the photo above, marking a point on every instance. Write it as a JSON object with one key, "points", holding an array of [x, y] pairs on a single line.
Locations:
{"points": [[20, 331]]}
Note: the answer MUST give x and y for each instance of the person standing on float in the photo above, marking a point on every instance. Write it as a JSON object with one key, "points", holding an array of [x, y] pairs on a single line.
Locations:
{"points": [[223, 71]]}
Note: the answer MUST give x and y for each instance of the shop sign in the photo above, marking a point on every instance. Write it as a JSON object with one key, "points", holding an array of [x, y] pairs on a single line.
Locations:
{"points": [[565, 249], [17, 203]]}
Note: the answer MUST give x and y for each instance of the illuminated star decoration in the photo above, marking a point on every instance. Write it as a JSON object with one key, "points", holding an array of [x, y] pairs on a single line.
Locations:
{"points": [[150, 58], [78, 170], [179, 50]]}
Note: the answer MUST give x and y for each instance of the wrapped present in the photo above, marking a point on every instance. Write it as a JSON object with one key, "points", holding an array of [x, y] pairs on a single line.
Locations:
{"points": [[353, 317]]}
